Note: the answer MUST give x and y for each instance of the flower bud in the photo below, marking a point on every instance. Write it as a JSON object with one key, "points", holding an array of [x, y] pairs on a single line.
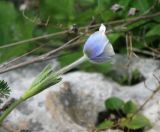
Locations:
{"points": [[97, 48]]}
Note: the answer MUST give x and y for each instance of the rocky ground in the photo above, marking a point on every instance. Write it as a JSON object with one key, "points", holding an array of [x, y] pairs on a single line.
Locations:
{"points": [[73, 104]]}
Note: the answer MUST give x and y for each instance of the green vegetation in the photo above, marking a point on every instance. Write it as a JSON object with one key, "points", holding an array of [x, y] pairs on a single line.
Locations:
{"points": [[125, 77], [123, 115], [130, 78], [50, 16]]}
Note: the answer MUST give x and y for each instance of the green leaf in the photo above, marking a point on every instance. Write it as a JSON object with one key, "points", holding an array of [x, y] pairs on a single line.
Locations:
{"points": [[114, 103], [155, 31], [137, 122], [129, 107], [105, 124], [4, 90]]}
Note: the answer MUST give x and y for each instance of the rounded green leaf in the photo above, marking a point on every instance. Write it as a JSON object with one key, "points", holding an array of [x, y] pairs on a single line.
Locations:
{"points": [[105, 124], [114, 103], [137, 122], [129, 107]]}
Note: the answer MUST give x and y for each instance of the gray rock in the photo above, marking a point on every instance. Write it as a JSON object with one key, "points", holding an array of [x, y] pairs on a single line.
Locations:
{"points": [[64, 107], [73, 104]]}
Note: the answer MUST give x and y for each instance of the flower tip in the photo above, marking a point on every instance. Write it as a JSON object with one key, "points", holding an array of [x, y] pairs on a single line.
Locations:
{"points": [[102, 28]]}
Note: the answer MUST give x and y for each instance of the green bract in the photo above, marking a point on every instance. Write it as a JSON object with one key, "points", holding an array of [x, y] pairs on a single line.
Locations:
{"points": [[44, 80]]}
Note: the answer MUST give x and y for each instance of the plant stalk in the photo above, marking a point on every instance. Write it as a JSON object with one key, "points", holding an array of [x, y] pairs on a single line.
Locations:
{"points": [[71, 66], [9, 110]]}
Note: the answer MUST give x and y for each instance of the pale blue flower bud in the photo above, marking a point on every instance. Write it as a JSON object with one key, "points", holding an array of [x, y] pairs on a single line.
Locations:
{"points": [[98, 48]]}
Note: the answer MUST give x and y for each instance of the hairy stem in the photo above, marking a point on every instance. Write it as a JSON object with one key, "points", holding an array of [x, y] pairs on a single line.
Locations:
{"points": [[9, 110], [71, 66]]}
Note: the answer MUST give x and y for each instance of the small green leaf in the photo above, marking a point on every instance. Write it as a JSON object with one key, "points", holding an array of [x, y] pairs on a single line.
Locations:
{"points": [[129, 107], [105, 124], [114, 103], [4, 90], [137, 122]]}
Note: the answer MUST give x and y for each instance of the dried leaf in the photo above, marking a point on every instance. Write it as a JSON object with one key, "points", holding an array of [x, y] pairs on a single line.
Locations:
{"points": [[132, 11], [116, 7]]}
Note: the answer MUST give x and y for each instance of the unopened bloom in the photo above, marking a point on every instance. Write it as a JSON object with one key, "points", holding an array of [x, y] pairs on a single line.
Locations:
{"points": [[98, 48]]}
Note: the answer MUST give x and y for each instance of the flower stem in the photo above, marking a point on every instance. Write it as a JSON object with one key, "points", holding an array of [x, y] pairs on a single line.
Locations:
{"points": [[72, 65]]}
